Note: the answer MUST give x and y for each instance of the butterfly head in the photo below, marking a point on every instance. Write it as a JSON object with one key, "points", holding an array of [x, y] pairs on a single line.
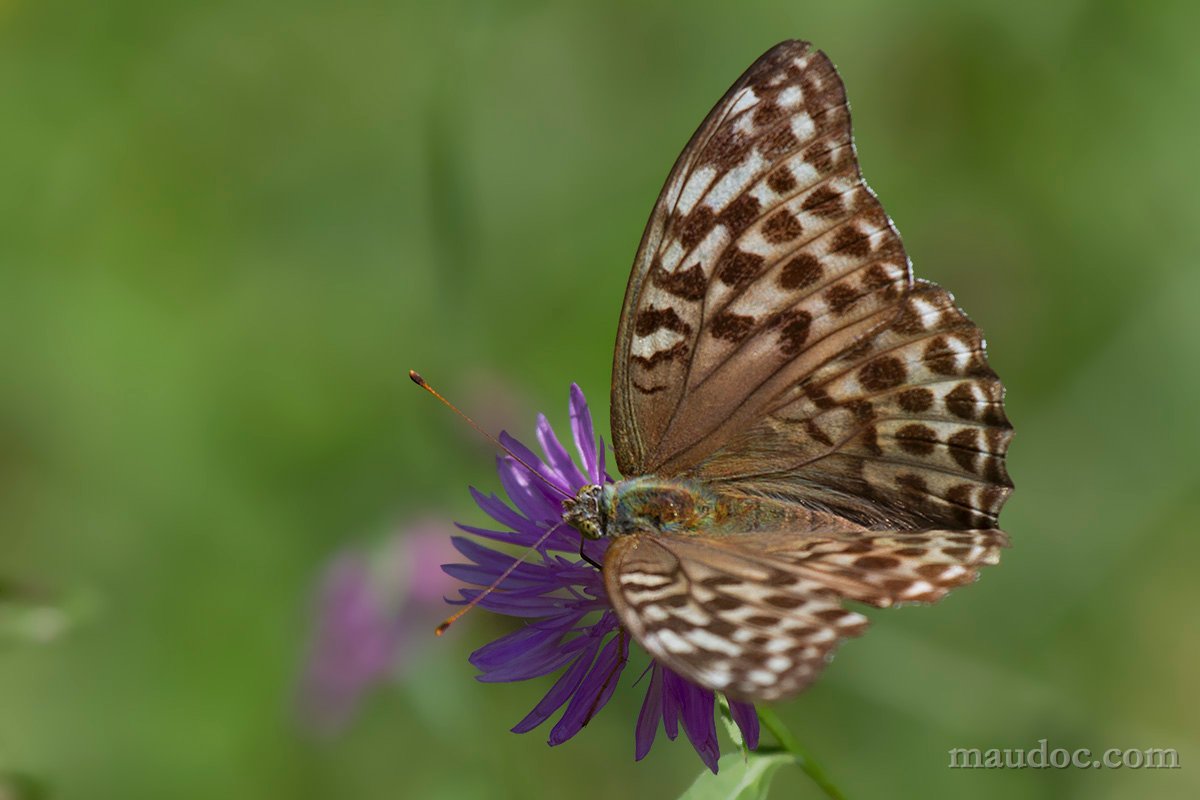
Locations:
{"points": [[585, 512]]}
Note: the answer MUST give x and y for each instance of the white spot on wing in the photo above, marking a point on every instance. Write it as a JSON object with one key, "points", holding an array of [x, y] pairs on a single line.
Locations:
{"points": [[649, 595], [693, 190], [654, 613], [692, 615], [714, 678], [644, 579], [761, 676], [674, 643], [803, 127], [790, 97], [646, 347], [917, 588], [746, 99], [710, 641], [730, 184], [779, 645], [778, 663], [672, 256]]}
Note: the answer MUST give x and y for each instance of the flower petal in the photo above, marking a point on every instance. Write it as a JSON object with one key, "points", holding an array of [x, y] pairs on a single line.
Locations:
{"points": [[563, 689], [649, 716], [528, 666], [552, 485], [518, 485], [498, 510], [672, 701], [557, 456], [747, 721], [699, 723], [497, 653], [585, 437], [594, 691]]}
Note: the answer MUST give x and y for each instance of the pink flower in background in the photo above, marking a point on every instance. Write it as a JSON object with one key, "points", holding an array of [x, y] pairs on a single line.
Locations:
{"points": [[375, 610]]}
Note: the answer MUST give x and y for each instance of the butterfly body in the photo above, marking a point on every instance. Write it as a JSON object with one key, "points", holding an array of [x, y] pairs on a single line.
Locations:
{"points": [[800, 422], [682, 506]]}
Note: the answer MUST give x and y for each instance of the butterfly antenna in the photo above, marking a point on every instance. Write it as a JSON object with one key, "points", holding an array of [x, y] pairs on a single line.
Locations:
{"points": [[456, 616], [419, 381]]}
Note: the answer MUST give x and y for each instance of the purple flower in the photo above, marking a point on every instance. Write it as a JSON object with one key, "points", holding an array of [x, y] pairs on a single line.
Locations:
{"points": [[569, 622], [373, 610]]}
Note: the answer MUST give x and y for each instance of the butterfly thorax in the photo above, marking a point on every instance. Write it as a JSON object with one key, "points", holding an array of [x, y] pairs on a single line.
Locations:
{"points": [[644, 504]]}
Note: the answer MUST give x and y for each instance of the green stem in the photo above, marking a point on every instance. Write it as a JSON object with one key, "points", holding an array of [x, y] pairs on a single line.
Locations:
{"points": [[805, 761]]}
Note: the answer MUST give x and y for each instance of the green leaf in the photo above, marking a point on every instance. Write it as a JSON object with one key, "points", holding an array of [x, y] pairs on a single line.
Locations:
{"points": [[739, 778], [735, 733]]}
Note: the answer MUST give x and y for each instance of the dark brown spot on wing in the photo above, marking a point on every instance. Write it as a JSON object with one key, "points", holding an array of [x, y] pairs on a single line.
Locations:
{"points": [[781, 227], [731, 327], [915, 401], [648, 389], [781, 180], [767, 113], [961, 402], [778, 143], [876, 562], [802, 271], [882, 373], [738, 268], [695, 226], [740, 213], [823, 202], [793, 329], [919, 440], [940, 357], [679, 351], [820, 157], [818, 435], [650, 320], [964, 448], [870, 440], [851, 241], [686, 284], [840, 298]]}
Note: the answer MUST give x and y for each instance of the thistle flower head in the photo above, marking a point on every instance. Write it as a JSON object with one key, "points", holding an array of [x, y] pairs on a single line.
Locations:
{"points": [[569, 623]]}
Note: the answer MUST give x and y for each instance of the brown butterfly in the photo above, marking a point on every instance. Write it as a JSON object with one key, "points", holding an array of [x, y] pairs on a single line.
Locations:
{"points": [[799, 421]]}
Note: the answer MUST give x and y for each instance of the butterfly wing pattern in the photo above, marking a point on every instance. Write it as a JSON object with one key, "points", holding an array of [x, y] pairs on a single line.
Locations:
{"points": [[774, 344]]}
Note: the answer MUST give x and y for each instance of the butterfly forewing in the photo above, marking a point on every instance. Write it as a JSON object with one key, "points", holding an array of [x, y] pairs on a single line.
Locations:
{"points": [[767, 185]]}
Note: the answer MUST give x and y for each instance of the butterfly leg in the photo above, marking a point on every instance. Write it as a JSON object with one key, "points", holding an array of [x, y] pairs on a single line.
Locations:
{"points": [[585, 556]]}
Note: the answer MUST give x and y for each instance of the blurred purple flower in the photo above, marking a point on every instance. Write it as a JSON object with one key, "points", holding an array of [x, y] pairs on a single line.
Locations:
{"points": [[368, 608], [569, 620]]}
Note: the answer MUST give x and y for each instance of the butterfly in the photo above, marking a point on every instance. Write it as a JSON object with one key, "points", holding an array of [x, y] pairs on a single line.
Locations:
{"points": [[799, 422]]}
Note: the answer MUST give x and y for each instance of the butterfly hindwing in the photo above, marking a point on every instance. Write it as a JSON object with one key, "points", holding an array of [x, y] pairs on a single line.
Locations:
{"points": [[757, 615]]}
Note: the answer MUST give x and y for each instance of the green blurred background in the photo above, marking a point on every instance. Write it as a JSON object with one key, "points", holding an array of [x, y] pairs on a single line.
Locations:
{"points": [[227, 229]]}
